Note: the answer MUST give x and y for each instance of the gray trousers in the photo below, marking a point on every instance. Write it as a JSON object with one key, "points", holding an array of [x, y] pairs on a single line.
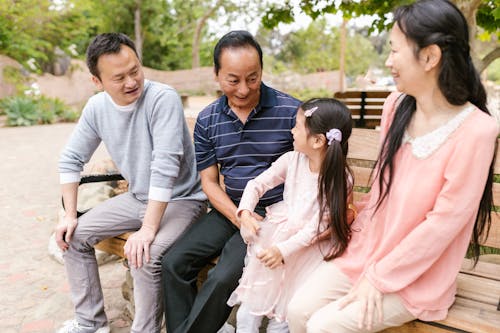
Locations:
{"points": [[111, 218]]}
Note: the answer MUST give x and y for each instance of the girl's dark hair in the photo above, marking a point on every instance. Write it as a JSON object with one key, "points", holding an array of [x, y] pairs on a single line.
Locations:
{"points": [[438, 22], [235, 39], [335, 178], [106, 43]]}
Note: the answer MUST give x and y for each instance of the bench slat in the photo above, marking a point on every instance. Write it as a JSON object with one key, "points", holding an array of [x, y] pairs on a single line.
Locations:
{"points": [[496, 193], [472, 316], [480, 289], [364, 144], [417, 327], [494, 235], [357, 94], [114, 245], [361, 176], [483, 269]]}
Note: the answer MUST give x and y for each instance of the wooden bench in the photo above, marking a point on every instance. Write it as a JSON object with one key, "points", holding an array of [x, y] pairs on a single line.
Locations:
{"points": [[365, 106], [477, 305]]}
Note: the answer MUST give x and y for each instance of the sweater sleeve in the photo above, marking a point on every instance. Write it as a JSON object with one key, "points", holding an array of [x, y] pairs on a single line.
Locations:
{"points": [[269, 179], [82, 144], [166, 124], [451, 217]]}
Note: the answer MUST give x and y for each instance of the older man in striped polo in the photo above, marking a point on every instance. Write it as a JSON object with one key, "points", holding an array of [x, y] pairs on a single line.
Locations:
{"points": [[238, 136]]}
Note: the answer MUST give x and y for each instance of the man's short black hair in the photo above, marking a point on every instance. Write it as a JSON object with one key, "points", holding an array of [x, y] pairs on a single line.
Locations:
{"points": [[106, 43], [235, 39]]}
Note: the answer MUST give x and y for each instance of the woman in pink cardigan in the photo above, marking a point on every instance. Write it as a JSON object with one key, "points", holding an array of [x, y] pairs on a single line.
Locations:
{"points": [[432, 188]]}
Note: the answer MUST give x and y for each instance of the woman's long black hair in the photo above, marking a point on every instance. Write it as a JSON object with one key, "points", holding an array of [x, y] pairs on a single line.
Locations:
{"points": [[335, 178], [439, 22]]}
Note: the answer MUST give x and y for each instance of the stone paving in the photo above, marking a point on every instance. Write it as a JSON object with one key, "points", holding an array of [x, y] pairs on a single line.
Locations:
{"points": [[34, 293], [33, 287]]}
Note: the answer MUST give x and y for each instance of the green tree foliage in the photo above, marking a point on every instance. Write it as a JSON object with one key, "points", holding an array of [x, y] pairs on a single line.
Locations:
{"points": [[484, 14], [31, 29], [316, 48]]}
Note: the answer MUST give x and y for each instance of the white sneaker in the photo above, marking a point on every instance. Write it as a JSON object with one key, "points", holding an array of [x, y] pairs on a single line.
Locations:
{"points": [[72, 326]]}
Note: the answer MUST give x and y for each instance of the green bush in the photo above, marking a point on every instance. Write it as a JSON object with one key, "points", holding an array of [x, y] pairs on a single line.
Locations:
{"points": [[22, 110], [306, 94]]}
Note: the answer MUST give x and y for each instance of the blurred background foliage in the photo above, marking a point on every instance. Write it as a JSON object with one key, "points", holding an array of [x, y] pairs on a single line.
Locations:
{"points": [[44, 35], [180, 34]]}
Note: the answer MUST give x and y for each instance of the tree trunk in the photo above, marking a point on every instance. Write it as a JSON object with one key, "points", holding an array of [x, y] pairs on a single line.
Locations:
{"points": [[342, 54], [469, 9], [195, 49], [138, 28]]}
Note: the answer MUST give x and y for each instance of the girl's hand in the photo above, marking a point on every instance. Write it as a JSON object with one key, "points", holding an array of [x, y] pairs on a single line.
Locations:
{"points": [[271, 257], [371, 302], [249, 226], [327, 233], [324, 235]]}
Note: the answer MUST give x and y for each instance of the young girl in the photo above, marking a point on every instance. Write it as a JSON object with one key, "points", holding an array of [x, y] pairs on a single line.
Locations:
{"points": [[432, 190], [317, 185]]}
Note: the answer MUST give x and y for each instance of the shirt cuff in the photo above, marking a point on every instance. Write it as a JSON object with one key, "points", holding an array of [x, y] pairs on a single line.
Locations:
{"points": [[160, 194], [69, 177]]}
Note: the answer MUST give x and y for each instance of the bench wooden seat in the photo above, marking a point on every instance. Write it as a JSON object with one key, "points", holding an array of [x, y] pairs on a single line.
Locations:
{"points": [[365, 106], [477, 305]]}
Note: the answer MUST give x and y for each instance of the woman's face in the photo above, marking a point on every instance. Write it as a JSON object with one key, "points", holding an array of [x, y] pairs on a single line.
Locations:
{"points": [[406, 69]]}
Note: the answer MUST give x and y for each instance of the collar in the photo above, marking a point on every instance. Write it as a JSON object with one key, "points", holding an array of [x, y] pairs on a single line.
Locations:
{"points": [[267, 99]]}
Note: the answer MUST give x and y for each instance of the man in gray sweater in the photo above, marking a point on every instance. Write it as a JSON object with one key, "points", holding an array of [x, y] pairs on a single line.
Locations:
{"points": [[143, 128]]}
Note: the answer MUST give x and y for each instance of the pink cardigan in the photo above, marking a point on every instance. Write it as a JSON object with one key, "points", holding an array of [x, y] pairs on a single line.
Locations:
{"points": [[415, 243]]}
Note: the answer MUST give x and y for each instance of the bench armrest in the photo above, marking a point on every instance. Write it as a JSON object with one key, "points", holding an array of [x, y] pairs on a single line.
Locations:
{"points": [[87, 179]]}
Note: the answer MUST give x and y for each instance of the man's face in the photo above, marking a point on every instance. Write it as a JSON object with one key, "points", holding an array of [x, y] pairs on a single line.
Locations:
{"points": [[239, 77], [121, 76]]}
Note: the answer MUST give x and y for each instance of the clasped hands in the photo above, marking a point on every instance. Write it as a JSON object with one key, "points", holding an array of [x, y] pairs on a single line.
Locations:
{"points": [[249, 226]]}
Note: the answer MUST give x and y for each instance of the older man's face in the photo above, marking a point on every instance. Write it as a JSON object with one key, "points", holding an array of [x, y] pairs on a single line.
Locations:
{"points": [[240, 76]]}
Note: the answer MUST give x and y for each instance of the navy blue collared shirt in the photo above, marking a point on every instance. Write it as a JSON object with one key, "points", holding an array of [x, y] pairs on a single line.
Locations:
{"points": [[243, 151]]}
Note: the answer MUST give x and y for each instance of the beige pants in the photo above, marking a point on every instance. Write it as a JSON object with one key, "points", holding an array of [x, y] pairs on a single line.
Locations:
{"points": [[313, 309]]}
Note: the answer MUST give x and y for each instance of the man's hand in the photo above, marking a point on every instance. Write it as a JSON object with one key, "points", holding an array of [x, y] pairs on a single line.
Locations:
{"points": [[370, 299], [138, 244], [271, 257], [64, 231], [249, 226]]}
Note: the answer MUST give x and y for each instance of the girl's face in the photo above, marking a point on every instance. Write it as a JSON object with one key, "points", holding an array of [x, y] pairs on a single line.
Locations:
{"points": [[405, 68], [302, 141]]}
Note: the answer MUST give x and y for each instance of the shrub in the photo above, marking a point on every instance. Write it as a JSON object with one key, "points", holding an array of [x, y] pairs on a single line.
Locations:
{"points": [[306, 94], [22, 110]]}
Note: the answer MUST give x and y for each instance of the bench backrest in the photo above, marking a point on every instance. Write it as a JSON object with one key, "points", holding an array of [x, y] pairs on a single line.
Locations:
{"points": [[363, 149], [365, 106]]}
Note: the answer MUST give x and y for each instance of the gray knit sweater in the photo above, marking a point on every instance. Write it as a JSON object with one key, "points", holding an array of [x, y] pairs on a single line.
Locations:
{"points": [[150, 144]]}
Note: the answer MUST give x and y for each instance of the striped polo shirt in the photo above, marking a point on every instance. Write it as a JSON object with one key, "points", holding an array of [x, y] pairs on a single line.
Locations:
{"points": [[243, 151]]}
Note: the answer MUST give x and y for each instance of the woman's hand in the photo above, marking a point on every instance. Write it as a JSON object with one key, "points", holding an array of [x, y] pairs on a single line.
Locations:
{"points": [[249, 226], [370, 299], [271, 257]]}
